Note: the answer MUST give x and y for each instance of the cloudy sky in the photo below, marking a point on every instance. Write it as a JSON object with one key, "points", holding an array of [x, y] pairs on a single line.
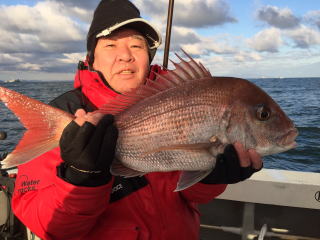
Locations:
{"points": [[44, 40]]}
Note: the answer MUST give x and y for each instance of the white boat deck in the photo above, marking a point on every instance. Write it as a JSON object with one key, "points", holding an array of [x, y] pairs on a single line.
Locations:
{"points": [[272, 204], [278, 187]]}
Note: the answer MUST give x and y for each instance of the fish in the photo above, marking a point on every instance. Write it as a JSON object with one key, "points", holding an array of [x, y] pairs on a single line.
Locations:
{"points": [[181, 121]]}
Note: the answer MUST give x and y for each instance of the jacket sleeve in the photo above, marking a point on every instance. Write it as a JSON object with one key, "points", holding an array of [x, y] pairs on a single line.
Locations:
{"points": [[53, 208], [203, 193]]}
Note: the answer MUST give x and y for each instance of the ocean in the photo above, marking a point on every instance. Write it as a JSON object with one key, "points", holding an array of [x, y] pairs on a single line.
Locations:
{"points": [[298, 97]]}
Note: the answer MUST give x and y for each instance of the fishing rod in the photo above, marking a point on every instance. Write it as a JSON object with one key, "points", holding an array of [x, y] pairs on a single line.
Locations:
{"points": [[168, 34]]}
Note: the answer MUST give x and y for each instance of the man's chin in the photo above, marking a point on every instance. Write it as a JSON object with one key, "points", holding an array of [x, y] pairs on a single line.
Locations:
{"points": [[127, 88]]}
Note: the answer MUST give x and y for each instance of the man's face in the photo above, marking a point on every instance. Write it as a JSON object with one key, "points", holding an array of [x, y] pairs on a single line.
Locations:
{"points": [[123, 59]]}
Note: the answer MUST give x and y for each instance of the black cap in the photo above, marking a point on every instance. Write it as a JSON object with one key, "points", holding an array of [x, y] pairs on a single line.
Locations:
{"points": [[114, 14]]}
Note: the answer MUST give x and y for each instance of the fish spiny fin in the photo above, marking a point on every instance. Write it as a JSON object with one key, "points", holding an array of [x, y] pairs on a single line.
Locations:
{"points": [[180, 69], [189, 178], [121, 102], [44, 125], [197, 67], [185, 71]]}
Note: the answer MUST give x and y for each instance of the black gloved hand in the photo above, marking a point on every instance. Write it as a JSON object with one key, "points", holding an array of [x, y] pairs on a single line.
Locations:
{"points": [[228, 169], [88, 152]]}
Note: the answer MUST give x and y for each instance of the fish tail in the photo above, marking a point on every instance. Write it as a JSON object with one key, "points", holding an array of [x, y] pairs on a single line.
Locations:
{"points": [[44, 125]]}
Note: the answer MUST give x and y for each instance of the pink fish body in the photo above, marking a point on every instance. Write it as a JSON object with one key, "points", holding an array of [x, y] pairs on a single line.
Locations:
{"points": [[182, 121]]}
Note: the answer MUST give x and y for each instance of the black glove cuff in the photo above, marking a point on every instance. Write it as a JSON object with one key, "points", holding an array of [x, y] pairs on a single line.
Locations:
{"points": [[218, 175], [79, 177], [228, 170]]}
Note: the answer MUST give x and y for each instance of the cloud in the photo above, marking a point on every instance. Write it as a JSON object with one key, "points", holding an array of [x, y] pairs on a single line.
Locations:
{"points": [[29, 66], [184, 35], [84, 4], [279, 18], [304, 37], [39, 28], [80, 10], [180, 36], [313, 17], [287, 25], [244, 56], [35, 62], [36, 38], [9, 59], [268, 40], [71, 57], [44, 19], [245, 64], [208, 46], [48, 38], [202, 13], [197, 45]]}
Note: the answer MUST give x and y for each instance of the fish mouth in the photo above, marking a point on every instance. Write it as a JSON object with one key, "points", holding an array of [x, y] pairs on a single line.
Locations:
{"points": [[288, 140]]}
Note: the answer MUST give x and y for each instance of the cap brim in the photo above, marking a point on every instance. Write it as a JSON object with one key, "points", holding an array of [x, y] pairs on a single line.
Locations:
{"points": [[144, 27]]}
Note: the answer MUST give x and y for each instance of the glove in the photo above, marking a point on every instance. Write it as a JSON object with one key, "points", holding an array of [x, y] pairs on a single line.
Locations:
{"points": [[88, 152], [228, 169]]}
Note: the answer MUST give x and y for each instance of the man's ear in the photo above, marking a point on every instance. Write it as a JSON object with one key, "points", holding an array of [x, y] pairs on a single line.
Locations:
{"points": [[90, 58], [90, 52]]}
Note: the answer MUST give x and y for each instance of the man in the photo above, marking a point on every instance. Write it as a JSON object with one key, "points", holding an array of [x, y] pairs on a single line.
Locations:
{"points": [[69, 193]]}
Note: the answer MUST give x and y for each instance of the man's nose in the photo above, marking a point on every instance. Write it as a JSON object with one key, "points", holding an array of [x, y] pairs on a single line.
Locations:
{"points": [[125, 55]]}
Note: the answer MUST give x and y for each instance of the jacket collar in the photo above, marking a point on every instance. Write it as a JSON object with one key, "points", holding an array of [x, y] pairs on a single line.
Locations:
{"points": [[95, 87]]}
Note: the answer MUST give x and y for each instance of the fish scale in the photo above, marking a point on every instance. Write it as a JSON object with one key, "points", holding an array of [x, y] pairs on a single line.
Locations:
{"points": [[177, 122], [160, 132], [153, 128]]}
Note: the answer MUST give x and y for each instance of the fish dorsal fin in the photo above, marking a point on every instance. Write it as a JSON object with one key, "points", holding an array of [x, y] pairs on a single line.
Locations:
{"points": [[189, 71], [123, 101], [185, 71]]}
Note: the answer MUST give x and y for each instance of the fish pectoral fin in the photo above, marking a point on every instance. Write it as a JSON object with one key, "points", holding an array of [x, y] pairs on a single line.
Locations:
{"points": [[118, 169], [188, 147], [189, 178]]}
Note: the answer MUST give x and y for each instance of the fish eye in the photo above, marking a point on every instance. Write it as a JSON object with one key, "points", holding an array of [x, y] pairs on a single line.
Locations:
{"points": [[263, 113]]}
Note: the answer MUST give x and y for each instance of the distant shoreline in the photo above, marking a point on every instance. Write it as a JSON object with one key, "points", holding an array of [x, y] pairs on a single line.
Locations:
{"points": [[261, 78]]}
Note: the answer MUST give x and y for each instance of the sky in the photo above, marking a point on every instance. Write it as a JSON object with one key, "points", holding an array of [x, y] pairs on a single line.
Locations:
{"points": [[44, 40]]}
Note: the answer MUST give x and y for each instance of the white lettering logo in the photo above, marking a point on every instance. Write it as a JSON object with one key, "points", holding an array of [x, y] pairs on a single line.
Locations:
{"points": [[117, 188]]}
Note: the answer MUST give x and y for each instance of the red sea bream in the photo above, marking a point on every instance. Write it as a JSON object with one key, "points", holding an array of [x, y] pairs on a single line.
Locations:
{"points": [[180, 121]]}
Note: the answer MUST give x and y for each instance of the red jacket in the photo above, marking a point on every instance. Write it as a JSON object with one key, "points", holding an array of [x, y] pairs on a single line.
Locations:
{"points": [[55, 209]]}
